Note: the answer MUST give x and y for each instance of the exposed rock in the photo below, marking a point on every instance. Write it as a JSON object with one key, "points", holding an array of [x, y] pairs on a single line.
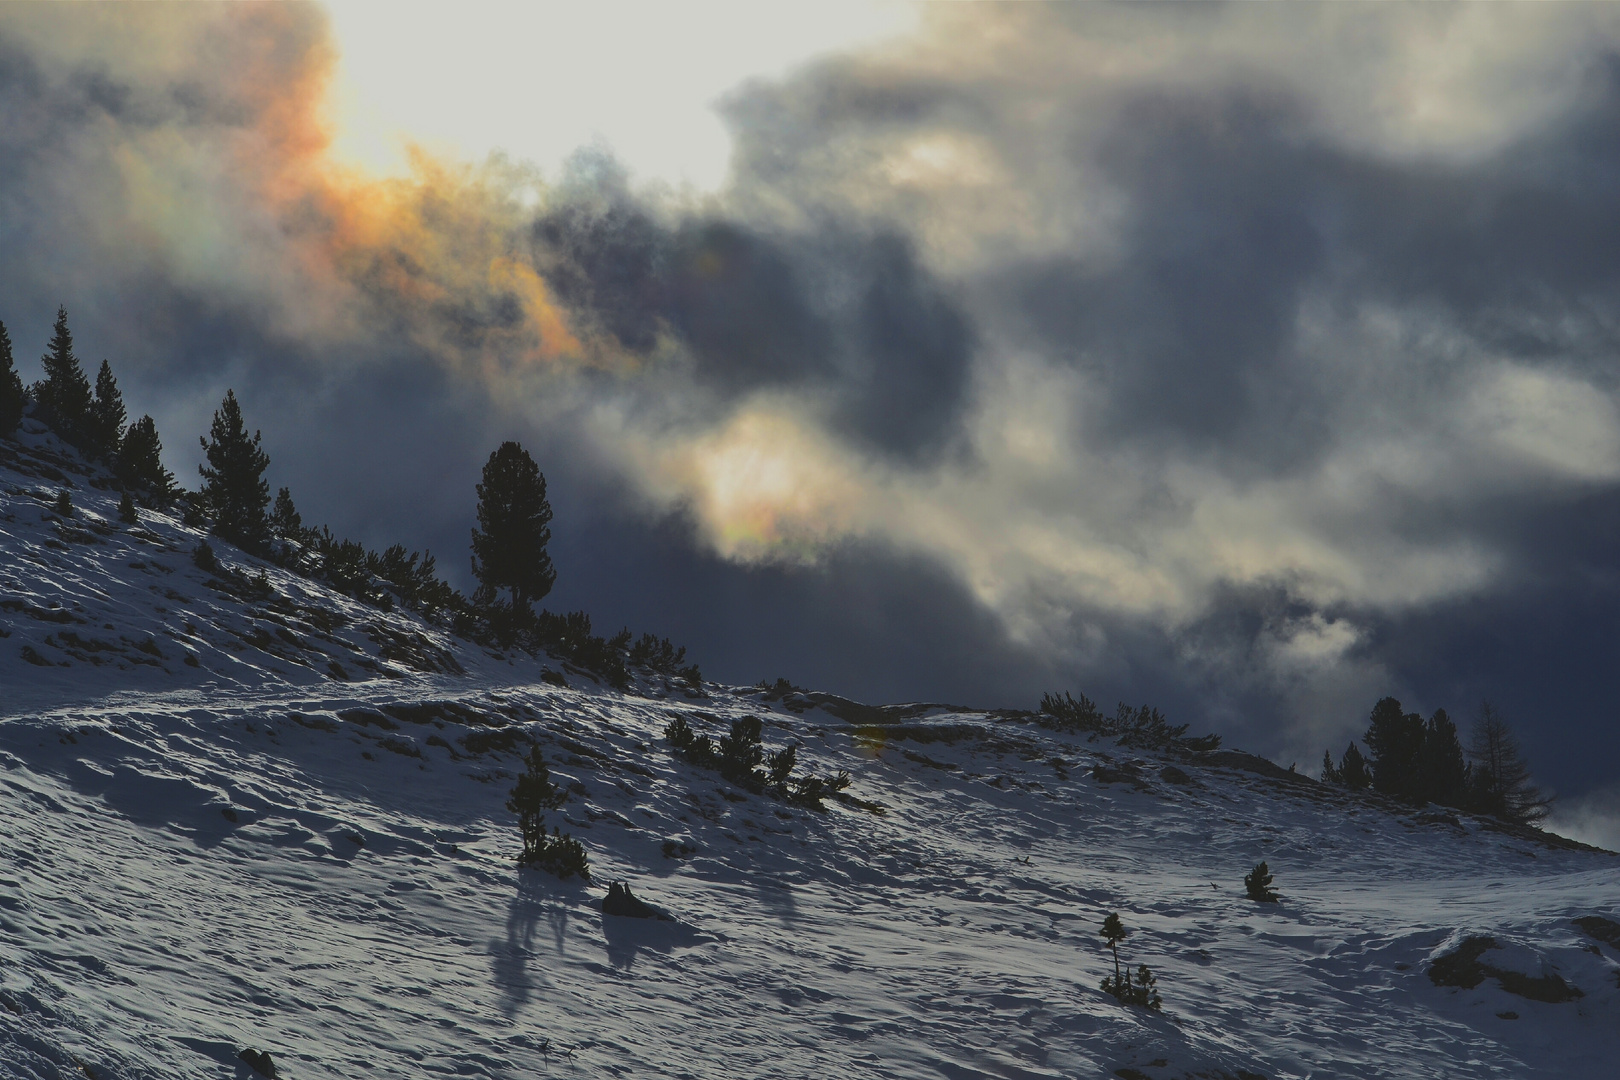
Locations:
{"points": [[259, 1061], [1463, 967], [622, 902]]}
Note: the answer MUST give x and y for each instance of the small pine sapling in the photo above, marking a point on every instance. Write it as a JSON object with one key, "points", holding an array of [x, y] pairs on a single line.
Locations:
{"points": [[126, 510], [1257, 884], [534, 794], [1113, 931], [64, 503], [204, 558], [1138, 989]]}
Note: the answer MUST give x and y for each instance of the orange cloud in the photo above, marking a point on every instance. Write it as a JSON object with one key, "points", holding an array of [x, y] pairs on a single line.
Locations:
{"points": [[440, 255]]}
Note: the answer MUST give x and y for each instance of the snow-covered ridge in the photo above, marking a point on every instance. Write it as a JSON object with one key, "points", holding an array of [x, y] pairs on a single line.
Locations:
{"points": [[251, 852]]}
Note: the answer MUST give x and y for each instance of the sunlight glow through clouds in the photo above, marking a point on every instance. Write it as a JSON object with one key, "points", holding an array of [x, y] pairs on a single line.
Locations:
{"points": [[538, 81]]}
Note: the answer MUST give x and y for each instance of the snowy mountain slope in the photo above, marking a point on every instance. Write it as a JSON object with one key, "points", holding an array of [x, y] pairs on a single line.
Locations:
{"points": [[253, 853]]}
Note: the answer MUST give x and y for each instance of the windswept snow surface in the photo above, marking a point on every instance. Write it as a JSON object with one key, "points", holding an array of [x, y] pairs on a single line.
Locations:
{"points": [[250, 852]]}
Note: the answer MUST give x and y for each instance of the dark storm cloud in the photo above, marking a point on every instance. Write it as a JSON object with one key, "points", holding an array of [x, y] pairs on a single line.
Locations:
{"points": [[850, 316]]}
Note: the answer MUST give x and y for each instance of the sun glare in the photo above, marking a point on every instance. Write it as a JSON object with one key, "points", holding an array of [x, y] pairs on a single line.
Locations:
{"points": [[538, 81]]}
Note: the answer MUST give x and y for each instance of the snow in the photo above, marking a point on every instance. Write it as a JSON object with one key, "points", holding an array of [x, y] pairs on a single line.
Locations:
{"points": [[250, 853]]}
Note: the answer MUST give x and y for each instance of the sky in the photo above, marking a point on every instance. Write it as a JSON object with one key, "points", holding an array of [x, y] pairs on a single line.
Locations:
{"points": [[1252, 362]]}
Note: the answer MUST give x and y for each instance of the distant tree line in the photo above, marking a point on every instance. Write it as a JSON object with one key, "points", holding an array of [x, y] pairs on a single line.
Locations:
{"points": [[509, 556], [1423, 761]]}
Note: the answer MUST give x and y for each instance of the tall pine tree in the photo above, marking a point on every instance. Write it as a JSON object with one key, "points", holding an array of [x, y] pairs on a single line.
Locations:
{"points": [[234, 489], [63, 395], [509, 545], [12, 394], [1395, 740], [140, 460], [105, 422], [1442, 772]]}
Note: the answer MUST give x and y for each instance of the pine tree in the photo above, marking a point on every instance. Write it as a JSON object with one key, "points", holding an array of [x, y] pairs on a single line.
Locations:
{"points": [[63, 395], [1442, 772], [285, 521], [534, 794], [1113, 931], [105, 421], [509, 545], [1353, 771], [1395, 740], [1501, 783], [126, 510], [12, 395], [234, 489], [140, 460], [1257, 885], [529, 800], [1330, 774]]}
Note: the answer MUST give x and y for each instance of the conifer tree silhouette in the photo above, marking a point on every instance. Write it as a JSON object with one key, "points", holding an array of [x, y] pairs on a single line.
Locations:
{"points": [[285, 520], [1113, 931], [12, 395], [63, 395], [234, 489], [509, 545], [1257, 884], [105, 422], [140, 459]]}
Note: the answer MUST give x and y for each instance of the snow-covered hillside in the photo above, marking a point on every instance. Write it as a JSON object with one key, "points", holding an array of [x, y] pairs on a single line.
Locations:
{"points": [[236, 820]]}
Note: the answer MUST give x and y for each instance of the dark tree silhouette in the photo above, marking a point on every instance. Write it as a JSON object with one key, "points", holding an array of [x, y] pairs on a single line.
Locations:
{"points": [[234, 489], [1501, 778], [140, 459], [1257, 885], [105, 422], [63, 395], [534, 794], [1143, 988], [530, 799], [126, 510], [1113, 931], [1442, 772], [509, 545], [1395, 739], [1353, 772], [12, 395], [285, 521]]}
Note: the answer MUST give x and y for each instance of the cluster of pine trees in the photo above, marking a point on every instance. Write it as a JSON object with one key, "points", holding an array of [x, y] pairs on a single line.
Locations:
{"points": [[1423, 761], [509, 556], [90, 419]]}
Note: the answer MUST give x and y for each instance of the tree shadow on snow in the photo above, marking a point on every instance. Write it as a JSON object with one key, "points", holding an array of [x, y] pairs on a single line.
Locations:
{"points": [[535, 900]]}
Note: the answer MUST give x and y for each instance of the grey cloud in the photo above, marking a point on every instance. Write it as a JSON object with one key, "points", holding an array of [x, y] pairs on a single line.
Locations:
{"points": [[1160, 354]]}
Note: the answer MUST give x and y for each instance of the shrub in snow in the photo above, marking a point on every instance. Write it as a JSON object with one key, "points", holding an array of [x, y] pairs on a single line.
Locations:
{"points": [[534, 794], [204, 558], [64, 503], [1141, 727], [738, 756], [1257, 884], [126, 510]]}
